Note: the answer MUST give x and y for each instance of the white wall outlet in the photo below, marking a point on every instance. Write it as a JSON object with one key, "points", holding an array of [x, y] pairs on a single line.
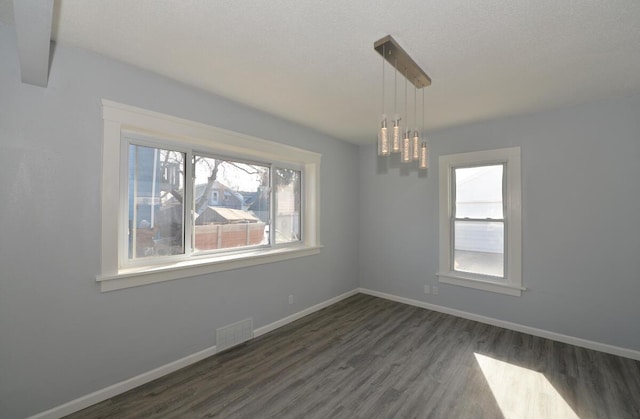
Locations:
{"points": [[291, 299], [435, 290], [427, 289]]}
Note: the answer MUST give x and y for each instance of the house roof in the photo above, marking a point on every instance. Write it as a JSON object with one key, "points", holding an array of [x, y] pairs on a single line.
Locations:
{"points": [[218, 186], [234, 215]]}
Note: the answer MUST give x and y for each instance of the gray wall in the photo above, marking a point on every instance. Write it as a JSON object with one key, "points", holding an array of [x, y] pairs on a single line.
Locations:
{"points": [[60, 338], [581, 232]]}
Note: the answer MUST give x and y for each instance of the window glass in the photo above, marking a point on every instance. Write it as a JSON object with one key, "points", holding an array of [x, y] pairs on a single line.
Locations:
{"points": [[231, 204], [155, 202], [479, 192], [479, 247], [288, 200]]}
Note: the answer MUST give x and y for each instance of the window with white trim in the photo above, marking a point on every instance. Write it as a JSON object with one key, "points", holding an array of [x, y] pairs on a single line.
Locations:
{"points": [[480, 220], [181, 199]]}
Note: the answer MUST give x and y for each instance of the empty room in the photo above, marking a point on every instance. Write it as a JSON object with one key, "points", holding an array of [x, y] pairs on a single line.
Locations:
{"points": [[330, 209]]}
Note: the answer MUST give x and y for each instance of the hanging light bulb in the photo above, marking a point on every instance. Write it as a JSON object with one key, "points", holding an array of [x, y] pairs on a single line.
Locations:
{"points": [[415, 146], [383, 138], [424, 152], [395, 143], [406, 141], [406, 147], [424, 157], [383, 135]]}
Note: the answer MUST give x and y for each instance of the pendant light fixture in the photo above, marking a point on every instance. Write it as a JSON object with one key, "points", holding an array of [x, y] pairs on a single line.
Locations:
{"points": [[395, 144], [415, 146], [402, 141], [383, 134], [406, 141], [424, 156]]}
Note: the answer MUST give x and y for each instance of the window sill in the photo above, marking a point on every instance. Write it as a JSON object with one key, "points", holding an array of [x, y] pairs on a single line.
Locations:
{"points": [[134, 277], [470, 281]]}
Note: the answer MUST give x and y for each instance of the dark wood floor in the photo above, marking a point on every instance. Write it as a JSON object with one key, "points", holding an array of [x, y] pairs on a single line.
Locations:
{"points": [[366, 357]]}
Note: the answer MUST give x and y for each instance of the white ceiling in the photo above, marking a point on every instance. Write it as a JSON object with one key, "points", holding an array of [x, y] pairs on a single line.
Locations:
{"points": [[313, 62]]}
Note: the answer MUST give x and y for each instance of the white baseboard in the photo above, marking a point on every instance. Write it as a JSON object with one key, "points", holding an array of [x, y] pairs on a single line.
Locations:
{"points": [[597, 346], [126, 385]]}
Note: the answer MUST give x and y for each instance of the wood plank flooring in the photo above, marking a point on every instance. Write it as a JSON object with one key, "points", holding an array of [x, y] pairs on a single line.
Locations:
{"points": [[367, 357]]}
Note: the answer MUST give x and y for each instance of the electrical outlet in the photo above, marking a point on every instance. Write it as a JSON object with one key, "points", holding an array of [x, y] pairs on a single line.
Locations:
{"points": [[427, 289], [435, 290], [291, 299]]}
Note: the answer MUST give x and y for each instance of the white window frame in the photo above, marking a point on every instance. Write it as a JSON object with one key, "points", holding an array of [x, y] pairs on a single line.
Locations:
{"points": [[511, 284], [122, 119]]}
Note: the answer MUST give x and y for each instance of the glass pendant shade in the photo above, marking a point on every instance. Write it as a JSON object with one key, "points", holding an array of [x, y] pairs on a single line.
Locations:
{"points": [[395, 143], [415, 149], [383, 138], [424, 157], [406, 148]]}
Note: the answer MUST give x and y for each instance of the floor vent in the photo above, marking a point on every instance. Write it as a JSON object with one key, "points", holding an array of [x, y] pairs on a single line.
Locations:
{"points": [[234, 334]]}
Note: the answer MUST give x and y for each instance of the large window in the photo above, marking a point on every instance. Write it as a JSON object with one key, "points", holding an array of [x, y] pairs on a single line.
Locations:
{"points": [[480, 232], [192, 199]]}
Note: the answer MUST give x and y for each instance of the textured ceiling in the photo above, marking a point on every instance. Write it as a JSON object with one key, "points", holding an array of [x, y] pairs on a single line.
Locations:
{"points": [[313, 62]]}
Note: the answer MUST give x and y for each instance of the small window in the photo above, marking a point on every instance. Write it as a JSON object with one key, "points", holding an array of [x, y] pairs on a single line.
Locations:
{"points": [[478, 220], [182, 199], [480, 237]]}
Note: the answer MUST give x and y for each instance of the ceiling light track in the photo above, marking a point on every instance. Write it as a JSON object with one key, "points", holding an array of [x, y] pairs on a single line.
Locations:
{"points": [[398, 57]]}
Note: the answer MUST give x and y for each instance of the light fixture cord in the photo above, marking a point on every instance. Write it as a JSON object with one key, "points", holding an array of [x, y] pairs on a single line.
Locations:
{"points": [[423, 133], [415, 106], [395, 88], [405, 97], [382, 113]]}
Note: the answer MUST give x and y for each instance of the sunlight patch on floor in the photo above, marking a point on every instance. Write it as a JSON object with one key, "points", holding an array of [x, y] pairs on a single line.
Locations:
{"points": [[523, 393]]}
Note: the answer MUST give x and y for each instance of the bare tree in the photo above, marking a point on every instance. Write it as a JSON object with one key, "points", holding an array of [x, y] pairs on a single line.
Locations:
{"points": [[201, 201]]}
